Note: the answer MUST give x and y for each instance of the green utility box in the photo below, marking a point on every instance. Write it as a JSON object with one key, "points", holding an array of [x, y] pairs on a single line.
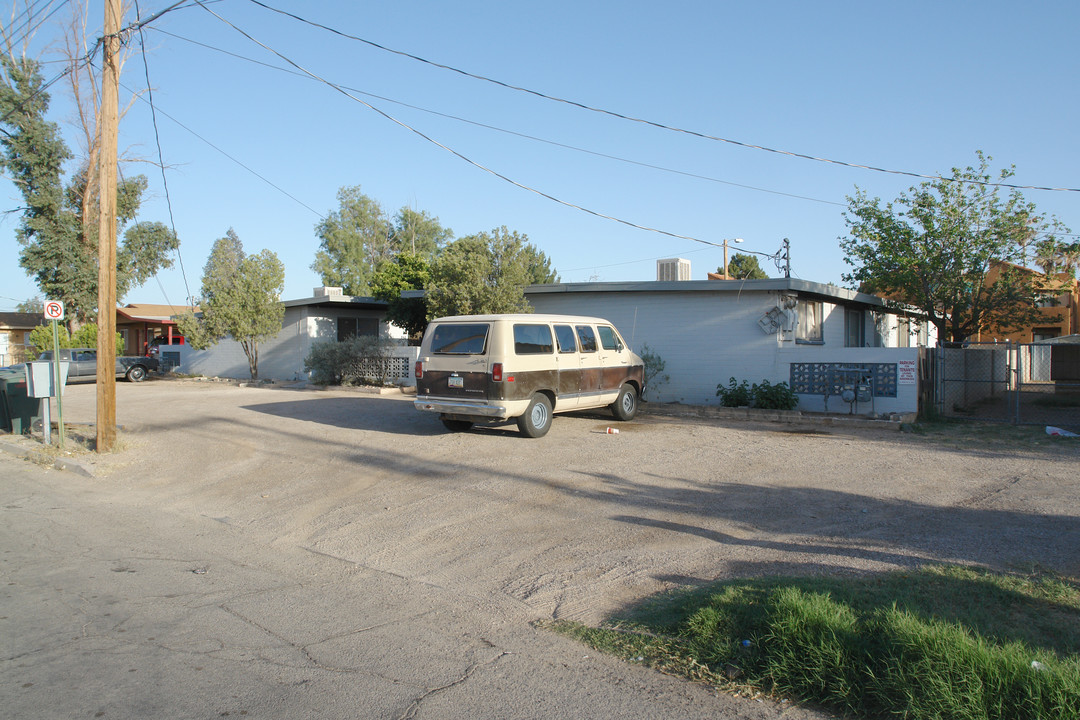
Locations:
{"points": [[17, 409]]}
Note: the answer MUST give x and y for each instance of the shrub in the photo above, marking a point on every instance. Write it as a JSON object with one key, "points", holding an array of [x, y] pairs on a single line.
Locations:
{"points": [[654, 370], [85, 337], [361, 360], [774, 397], [734, 395], [765, 396]]}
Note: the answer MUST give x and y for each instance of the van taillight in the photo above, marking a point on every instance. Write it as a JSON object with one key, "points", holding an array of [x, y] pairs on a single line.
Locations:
{"points": [[419, 370], [496, 372]]}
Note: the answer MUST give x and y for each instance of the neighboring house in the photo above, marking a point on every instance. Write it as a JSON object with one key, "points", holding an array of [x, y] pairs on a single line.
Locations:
{"points": [[15, 329], [139, 323], [826, 341], [326, 316], [821, 339], [1058, 304]]}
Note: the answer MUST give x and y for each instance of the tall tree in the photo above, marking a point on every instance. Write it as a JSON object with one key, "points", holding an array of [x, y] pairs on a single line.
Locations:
{"points": [[240, 299], [933, 248], [59, 224], [418, 233], [744, 267], [485, 273], [353, 240], [407, 271]]}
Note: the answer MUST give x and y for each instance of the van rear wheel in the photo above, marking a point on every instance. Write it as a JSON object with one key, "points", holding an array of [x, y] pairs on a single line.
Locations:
{"points": [[457, 425], [626, 405], [537, 419]]}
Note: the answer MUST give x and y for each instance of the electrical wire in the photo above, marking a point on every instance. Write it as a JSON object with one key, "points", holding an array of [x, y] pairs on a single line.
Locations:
{"points": [[652, 123], [450, 150], [486, 126], [281, 190], [30, 20], [157, 140]]}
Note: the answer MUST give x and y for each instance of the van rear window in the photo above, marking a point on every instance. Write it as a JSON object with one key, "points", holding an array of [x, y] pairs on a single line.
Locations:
{"points": [[459, 339], [532, 340]]}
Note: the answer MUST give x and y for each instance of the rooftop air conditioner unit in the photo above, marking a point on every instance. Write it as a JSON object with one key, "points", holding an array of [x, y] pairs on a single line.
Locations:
{"points": [[672, 269]]}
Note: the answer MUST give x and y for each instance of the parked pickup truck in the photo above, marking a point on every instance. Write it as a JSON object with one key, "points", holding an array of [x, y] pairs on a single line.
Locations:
{"points": [[83, 366]]}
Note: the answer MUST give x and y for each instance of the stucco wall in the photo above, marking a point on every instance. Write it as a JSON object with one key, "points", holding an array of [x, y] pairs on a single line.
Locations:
{"points": [[280, 358], [706, 338]]}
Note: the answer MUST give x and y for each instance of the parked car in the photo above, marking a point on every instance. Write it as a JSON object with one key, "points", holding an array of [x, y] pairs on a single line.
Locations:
{"points": [[490, 368], [153, 348], [83, 366]]}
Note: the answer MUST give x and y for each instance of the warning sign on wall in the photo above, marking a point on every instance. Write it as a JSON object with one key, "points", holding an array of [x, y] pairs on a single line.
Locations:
{"points": [[907, 372]]}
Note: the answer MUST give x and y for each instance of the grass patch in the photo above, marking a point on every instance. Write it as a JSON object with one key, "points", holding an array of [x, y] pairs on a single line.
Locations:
{"points": [[962, 433], [941, 642]]}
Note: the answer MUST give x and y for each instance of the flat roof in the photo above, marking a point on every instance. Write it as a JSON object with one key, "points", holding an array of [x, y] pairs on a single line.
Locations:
{"points": [[805, 287], [338, 301]]}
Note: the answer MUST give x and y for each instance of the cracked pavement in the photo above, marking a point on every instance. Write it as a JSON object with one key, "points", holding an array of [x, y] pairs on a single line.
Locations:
{"points": [[252, 552]]}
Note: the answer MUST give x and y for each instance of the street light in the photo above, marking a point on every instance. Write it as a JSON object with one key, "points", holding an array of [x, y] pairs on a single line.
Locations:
{"points": [[735, 240]]}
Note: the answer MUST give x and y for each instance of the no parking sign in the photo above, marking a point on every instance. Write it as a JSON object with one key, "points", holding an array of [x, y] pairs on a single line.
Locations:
{"points": [[54, 310]]}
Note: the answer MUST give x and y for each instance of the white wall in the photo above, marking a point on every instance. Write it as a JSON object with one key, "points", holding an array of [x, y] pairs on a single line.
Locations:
{"points": [[706, 338], [282, 357]]}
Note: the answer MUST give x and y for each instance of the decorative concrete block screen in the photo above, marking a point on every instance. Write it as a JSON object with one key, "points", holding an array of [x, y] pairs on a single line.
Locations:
{"points": [[830, 378]]}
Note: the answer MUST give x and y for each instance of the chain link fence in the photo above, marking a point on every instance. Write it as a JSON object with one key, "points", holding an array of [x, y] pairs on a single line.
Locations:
{"points": [[1030, 384]]}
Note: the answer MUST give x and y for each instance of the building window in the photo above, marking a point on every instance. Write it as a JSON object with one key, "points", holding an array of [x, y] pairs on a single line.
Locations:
{"points": [[854, 328], [903, 332], [811, 314], [348, 328]]}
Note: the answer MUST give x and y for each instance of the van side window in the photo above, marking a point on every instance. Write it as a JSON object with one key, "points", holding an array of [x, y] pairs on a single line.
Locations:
{"points": [[565, 335], [608, 339], [532, 340], [459, 339], [587, 338]]}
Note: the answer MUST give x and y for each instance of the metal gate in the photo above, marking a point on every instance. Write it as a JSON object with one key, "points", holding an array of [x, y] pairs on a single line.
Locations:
{"points": [[1031, 384]]}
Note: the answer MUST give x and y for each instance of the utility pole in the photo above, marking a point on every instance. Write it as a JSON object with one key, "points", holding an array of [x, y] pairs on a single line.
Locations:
{"points": [[108, 127], [787, 258]]}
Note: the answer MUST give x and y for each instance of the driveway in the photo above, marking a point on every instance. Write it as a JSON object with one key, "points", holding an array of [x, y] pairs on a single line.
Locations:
{"points": [[283, 553]]}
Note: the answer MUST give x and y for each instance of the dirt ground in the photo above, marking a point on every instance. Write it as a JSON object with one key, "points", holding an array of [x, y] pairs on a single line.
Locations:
{"points": [[576, 525]]}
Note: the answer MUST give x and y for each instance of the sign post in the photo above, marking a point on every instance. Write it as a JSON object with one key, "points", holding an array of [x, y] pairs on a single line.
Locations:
{"points": [[54, 310]]}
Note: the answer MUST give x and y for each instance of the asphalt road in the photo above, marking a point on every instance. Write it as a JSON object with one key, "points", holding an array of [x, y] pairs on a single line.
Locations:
{"points": [[290, 553]]}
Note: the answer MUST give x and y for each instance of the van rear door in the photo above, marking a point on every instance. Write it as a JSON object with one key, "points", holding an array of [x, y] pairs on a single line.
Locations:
{"points": [[457, 366]]}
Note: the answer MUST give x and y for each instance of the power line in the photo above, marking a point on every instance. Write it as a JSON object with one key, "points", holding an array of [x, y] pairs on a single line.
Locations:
{"points": [[451, 150], [30, 19], [157, 140], [486, 126], [230, 157], [652, 123]]}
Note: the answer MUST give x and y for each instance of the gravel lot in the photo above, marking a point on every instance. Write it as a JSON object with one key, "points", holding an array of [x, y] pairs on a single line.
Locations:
{"points": [[575, 525]]}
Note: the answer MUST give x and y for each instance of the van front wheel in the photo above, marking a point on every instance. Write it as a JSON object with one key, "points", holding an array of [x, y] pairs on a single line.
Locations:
{"points": [[537, 419], [625, 406]]}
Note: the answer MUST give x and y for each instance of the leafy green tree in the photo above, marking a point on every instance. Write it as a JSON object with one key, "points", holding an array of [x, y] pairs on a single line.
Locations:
{"points": [[539, 266], [933, 248], [31, 305], [41, 337], [240, 299], [744, 267], [407, 271], [353, 241], [418, 233], [1055, 257], [58, 227], [484, 273]]}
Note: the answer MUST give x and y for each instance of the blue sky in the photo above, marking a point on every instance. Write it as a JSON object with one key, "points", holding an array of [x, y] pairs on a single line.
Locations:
{"points": [[913, 86]]}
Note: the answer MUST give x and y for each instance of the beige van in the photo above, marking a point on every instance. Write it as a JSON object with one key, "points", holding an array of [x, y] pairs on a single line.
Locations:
{"points": [[487, 368]]}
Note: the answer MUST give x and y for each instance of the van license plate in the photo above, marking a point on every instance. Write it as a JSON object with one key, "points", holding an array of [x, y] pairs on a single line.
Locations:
{"points": [[456, 381]]}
